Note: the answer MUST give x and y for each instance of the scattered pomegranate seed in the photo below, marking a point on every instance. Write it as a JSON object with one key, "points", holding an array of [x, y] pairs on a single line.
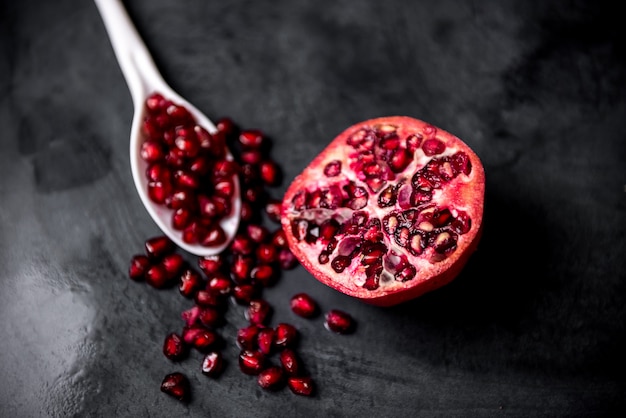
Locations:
{"points": [[265, 340], [287, 260], [251, 139], [157, 276], [244, 293], [174, 347], [258, 312], [157, 247], [211, 264], [289, 361], [176, 385], [304, 305], [339, 321], [139, 264], [247, 337], [212, 364], [301, 385], [189, 283], [173, 263], [251, 362], [272, 209], [271, 378], [286, 335]]}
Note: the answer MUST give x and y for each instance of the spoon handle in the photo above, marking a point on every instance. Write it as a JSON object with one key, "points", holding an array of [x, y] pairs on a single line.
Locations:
{"points": [[140, 72]]}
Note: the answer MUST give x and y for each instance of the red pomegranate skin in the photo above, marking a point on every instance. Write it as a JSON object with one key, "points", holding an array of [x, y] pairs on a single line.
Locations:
{"points": [[462, 194]]}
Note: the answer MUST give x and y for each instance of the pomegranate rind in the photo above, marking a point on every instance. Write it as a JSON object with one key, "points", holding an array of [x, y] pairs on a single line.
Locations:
{"points": [[465, 192]]}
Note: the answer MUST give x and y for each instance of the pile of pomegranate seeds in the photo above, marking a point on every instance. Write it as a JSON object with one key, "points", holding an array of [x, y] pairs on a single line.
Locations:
{"points": [[252, 262], [188, 171]]}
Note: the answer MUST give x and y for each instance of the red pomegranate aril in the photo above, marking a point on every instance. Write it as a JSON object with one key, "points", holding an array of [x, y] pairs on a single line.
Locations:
{"points": [[224, 188], [247, 337], [173, 263], [286, 335], [212, 364], [247, 213], [200, 337], [158, 172], [273, 209], [189, 283], [251, 156], [264, 274], [186, 179], [304, 305], [241, 268], [333, 168], [433, 146], [181, 219], [187, 142], [208, 298], [224, 169], [177, 386], [242, 244], [251, 362], [290, 362], [226, 125], [179, 114], [257, 233], [339, 321], [210, 316], [287, 260], [244, 293], [157, 276], [152, 151], [139, 264], [271, 378], [251, 139], [158, 191], [266, 253], [211, 264], [158, 246], [190, 316], [180, 199], [265, 340], [220, 284], [154, 102], [301, 385], [279, 239], [214, 236], [200, 165], [270, 173], [174, 348], [258, 312]]}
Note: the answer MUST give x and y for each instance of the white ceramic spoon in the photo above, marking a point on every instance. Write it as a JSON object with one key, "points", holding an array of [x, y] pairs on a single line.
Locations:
{"points": [[143, 78]]}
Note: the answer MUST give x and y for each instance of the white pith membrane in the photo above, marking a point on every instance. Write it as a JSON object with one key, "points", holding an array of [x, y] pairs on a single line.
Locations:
{"points": [[427, 231]]}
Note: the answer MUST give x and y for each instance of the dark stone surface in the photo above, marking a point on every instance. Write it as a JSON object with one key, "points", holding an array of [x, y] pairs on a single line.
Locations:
{"points": [[534, 326]]}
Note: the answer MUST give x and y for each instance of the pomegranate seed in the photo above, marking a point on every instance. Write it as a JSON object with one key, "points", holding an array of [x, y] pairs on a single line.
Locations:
{"points": [[174, 347], [304, 305], [270, 173], [181, 219], [286, 335], [139, 264], [179, 114], [190, 282], [433, 146], [157, 276], [257, 233], [173, 263], [241, 268], [226, 125], [244, 293], [187, 142], [220, 284], [200, 165], [152, 151], [247, 212], [339, 321], [265, 340], [251, 139], [224, 169], [332, 169], [266, 253], [158, 172], [258, 312], [210, 316], [212, 364], [199, 337], [211, 264], [272, 209], [208, 298], [214, 236], [271, 378], [247, 337], [279, 239], [241, 244], [301, 385], [290, 362], [154, 102], [158, 191], [157, 247], [224, 187], [264, 274], [176, 385], [251, 362], [287, 260], [251, 156], [190, 316]]}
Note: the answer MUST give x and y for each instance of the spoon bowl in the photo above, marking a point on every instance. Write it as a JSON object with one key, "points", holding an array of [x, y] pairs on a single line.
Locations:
{"points": [[143, 79]]}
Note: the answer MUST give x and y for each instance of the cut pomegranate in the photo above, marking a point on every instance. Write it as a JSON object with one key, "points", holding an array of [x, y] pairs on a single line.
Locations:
{"points": [[339, 321], [304, 305], [390, 210], [176, 385]]}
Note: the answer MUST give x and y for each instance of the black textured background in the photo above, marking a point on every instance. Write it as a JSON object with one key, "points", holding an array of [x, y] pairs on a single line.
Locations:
{"points": [[534, 326]]}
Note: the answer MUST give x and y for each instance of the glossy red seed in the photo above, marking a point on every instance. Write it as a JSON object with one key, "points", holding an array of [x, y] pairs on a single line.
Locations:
{"points": [[270, 173], [210, 316], [264, 275], [271, 378], [257, 233], [290, 362], [158, 172], [152, 151], [211, 264], [214, 236], [339, 321], [220, 284], [251, 139], [157, 247], [258, 312], [212, 364], [190, 282], [190, 316], [433, 146], [265, 340], [181, 219], [177, 386], [158, 191], [173, 264], [286, 335], [272, 209], [287, 260], [174, 348], [266, 253], [244, 293], [241, 267], [154, 102], [241, 244], [226, 125], [251, 156], [251, 362], [304, 305], [247, 337], [279, 239], [139, 264], [157, 277], [207, 298], [200, 337], [301, 385]]}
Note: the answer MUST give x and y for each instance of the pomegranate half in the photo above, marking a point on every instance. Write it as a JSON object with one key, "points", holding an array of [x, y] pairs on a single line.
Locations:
{"points": [[390, 210]]}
